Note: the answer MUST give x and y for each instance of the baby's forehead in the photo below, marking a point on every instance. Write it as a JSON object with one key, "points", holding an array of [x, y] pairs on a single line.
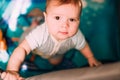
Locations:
{"points": [[64, 11]]}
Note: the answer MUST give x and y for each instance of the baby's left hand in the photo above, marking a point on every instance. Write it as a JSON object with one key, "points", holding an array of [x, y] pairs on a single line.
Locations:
{"points": [[93, 62]]}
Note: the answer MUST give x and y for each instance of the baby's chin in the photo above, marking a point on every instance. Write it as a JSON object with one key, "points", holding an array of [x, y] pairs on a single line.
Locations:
{"points": [[63, 38]]}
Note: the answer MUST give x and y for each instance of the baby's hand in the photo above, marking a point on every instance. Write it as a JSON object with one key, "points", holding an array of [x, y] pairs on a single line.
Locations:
{"points": [[11, 75], [93, 62]]}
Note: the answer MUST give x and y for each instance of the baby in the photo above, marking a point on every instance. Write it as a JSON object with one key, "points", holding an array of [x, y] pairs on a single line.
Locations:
{"points": [[58, 34]]}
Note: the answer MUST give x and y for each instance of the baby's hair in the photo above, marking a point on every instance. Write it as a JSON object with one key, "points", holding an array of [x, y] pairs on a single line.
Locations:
{"points": [[61, 2]]}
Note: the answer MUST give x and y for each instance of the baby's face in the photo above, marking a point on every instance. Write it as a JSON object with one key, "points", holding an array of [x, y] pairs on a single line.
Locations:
{"points": [[62, 21]]}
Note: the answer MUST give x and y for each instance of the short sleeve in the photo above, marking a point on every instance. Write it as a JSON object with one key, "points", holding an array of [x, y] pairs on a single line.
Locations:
{"points": [[37, 37], [79, 40]]}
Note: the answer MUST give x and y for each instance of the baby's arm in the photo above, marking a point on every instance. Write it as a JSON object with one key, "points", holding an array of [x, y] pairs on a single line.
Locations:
{"points": [[86, 51], [15, 61]]}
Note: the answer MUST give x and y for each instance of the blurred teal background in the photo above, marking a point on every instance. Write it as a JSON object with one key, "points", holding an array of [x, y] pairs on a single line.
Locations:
{"points": [[99, 23]]}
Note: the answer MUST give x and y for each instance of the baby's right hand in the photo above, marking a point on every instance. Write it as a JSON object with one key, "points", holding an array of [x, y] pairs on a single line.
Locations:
{"points": [[11, 75]]}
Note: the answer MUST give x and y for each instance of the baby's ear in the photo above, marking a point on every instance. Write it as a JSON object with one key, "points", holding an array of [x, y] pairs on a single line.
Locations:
{"points": [[44, 13]]}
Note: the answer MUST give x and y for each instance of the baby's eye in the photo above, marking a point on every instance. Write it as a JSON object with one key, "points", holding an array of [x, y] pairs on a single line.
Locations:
{"points": [[57, 17], [72, 20]]}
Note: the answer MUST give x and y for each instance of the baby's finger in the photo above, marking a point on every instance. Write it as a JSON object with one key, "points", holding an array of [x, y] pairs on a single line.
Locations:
{"points": [[10, 77], [3, 75], [99, 63], [20, 78], [91, 64]]}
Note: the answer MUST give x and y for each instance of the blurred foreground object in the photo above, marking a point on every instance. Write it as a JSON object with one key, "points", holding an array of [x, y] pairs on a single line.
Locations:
{"points": [[109, 71], [3, 45], [3, 49]]}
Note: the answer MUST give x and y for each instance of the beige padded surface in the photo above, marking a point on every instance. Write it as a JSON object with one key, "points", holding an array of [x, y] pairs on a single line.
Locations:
{"points": [[104, 72]]}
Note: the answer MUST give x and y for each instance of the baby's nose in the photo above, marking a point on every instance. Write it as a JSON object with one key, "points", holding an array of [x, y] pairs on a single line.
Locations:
{"points": [[65, 24]]}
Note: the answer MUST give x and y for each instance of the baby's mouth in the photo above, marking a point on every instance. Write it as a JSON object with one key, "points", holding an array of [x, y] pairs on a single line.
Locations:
{"points": [[64, 33]]}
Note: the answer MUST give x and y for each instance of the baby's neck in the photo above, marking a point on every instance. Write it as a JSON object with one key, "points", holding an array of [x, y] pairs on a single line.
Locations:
{"points": [[57, 40]]}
